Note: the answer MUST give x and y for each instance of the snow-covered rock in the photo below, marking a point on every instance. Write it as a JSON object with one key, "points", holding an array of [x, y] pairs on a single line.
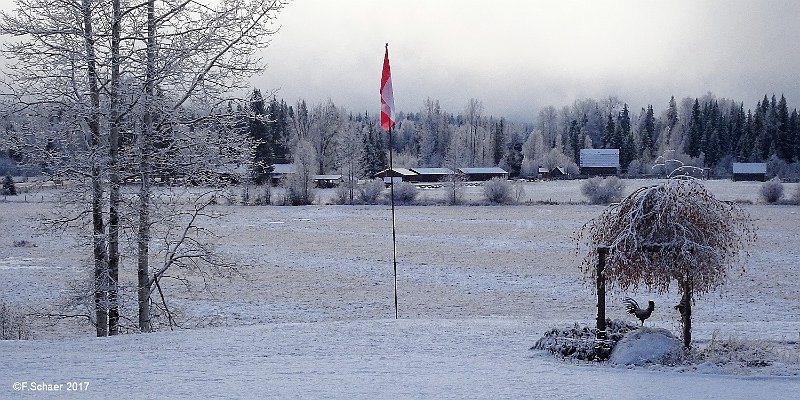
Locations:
{"points": [[648, 346]]}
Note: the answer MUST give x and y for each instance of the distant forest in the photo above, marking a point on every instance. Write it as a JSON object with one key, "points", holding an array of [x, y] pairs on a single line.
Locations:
{"points": [[706, 132]]}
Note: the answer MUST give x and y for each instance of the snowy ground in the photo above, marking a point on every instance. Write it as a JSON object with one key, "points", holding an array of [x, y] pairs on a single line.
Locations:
{"points": [[312, 315]]}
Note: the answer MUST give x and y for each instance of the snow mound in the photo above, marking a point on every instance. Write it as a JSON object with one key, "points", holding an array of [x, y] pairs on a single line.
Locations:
{"points": [[648, 346]]}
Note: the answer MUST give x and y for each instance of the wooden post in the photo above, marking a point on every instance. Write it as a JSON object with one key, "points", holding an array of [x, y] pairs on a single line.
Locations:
{"points": [[602, 251], [685, 308]]}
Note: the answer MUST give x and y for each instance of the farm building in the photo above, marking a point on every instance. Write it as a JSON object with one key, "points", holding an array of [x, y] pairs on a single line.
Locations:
{"points": [[557, 173], [432, 174], [327, 181], [544, 173], [405, 175], [750, 172], [483, 174], [281, 172], [599, 161]]}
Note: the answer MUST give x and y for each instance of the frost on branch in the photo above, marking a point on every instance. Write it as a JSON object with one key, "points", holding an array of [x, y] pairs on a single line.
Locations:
{"points": [[674, 230]]}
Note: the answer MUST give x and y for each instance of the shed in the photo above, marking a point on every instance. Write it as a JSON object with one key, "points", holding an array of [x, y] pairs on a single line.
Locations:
{"points": [[483, 174], [432, 174], [558, 172], [405, 175], [326, 181], [543, 173], [750, 172], [599, 161]]}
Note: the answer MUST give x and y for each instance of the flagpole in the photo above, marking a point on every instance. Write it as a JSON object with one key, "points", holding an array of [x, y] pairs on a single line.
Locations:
{"points": [[387, 123], [394, 232]]}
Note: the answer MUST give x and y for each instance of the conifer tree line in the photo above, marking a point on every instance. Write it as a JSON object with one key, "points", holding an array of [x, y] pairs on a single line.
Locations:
{"points": [[706, 132]]}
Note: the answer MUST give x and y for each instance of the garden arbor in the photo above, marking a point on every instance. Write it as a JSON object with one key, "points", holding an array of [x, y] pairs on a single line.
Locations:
{"points": [[675, 231]]}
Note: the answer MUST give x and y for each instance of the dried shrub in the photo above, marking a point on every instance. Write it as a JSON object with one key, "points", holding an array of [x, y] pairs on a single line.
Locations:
{"points": [[13, 325], [603, 190], [796, 197], [405, 193], [579, 341], [772, 191], [371, 191], [497, 191]]}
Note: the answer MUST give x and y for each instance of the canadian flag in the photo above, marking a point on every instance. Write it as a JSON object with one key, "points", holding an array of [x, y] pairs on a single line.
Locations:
{"points": [[387, 98]]}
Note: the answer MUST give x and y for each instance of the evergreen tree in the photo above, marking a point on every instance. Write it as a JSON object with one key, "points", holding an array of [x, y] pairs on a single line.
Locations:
{"points": [[575, 142], [278, 130], [692, 145], [499, 141], [514, 156], [794, 123], [648, 134], [710, 143], [784, 143], [672, 113], [608, 133], [746, 143], [263, 156], [8, 186], [373, 159], [768, 129], [623, 138]]}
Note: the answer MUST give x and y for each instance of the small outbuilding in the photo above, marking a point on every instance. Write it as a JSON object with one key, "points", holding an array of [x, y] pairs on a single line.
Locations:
{"points": [[750, 172], [483, 174], [558, 173], [543, 173], [394, 174], [432, 174], [327, 181], [599, 162]]}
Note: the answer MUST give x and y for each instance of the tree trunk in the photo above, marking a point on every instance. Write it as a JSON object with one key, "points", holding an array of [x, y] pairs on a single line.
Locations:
{"points": [[145, 146], [98, 229], [114, 190], [685, 307]]}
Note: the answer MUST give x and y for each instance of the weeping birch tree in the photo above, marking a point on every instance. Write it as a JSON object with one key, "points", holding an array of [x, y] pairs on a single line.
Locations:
{"points": [[675, 232]]}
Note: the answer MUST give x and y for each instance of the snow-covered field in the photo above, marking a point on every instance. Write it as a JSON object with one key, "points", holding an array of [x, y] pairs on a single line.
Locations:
{"points": [[312, 313]]}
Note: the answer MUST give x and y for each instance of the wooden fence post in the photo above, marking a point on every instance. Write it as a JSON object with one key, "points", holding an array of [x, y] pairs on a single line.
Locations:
{"points": [[602, 251]]}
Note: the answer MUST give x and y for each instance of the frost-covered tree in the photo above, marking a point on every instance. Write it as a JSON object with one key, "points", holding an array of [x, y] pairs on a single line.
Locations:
{"points": [[8, 186], [673, 232], [119, 80]]}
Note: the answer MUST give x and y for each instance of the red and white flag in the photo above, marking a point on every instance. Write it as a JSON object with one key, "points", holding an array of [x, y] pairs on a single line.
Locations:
{"points": [[387, 98]]}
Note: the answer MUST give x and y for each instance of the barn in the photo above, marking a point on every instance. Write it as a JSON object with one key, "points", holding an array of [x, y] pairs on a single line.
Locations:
{"points": [[432, 174], [392, 174], [750, 172], [483, 174], [601, 162]]}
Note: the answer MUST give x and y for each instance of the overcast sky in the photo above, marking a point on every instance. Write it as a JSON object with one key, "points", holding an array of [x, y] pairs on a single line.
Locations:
{"points": [[517, 56]]}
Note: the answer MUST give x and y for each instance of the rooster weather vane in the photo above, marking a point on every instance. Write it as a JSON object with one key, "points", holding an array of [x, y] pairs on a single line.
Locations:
{"points": [[642, 313]]}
